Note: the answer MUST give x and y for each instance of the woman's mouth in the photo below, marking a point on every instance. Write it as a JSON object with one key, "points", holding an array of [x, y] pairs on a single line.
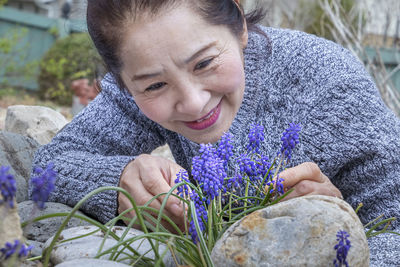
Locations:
{"points": [[207, 120]]}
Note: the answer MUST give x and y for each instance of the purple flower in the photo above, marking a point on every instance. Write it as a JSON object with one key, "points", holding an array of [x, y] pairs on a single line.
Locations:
{"points": [[248, 166], [201, 214], [278, 186], [256, 135], [11, 249], [224, 150], [8, 186], [235, 181], [263, 166], [43, 184], [182, 176], [209, 171], [342, 248], [289, 139]]}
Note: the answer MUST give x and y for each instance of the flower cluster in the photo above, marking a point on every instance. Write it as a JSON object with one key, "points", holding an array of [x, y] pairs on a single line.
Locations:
{"points": [[182, 176], [208, 171], [278, 185], [256, 136], [201, 214], [342, 248], [43, 184], [8, 186], [11, 249], [224, 150], [290, 139]]}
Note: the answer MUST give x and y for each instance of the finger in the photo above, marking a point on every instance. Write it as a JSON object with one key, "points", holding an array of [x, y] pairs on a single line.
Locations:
{"points": [[307, 187], [304, 171], [155, 184]]}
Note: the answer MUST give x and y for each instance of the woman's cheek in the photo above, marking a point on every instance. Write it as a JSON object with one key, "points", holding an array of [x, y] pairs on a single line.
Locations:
{"points": [[153, 110]]}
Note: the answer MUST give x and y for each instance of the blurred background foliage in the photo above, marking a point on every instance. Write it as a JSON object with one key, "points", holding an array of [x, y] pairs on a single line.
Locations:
{"points": [[70, 58]]}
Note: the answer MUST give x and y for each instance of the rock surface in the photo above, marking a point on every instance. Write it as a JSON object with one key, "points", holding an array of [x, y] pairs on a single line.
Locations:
{"points": [[87, 247], [9, 224], [36, 122], [90, 263], [17, 151], [42, 230], [297, 232]]}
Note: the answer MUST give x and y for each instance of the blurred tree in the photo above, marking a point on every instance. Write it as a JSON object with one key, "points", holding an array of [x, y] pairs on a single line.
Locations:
{"points": [[70, 58]]}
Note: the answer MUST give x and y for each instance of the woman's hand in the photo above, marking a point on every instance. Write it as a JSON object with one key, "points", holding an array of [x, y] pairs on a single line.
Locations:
{"points": [[146, 177], [307, 179]]}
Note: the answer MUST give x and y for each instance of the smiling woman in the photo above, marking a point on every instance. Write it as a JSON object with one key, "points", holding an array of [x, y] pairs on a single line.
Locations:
{"points": [[185, 72]]}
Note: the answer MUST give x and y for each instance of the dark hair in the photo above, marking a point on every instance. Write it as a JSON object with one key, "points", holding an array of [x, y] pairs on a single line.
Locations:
{"points": [[106, 18]]}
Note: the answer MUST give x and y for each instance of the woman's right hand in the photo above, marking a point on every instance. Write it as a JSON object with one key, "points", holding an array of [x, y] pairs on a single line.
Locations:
{"points": [[146, 177]]}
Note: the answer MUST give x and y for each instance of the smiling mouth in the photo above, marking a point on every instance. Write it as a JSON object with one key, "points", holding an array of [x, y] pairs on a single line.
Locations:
{"points": [[206, 121]]}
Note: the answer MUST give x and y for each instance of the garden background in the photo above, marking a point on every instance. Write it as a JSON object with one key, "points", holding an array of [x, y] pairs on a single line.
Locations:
{"points": [[44, 46]]}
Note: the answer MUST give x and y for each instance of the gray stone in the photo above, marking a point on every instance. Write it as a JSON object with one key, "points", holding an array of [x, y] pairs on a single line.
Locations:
{"points": [[36, 122], [297, 232], [42, 230], [88, 246], [91, 263], [37, 249], [17, 151]]}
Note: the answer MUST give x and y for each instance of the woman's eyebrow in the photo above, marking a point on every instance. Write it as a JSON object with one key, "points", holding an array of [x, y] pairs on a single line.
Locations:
{"points": [[200, 51], [145, 76]]}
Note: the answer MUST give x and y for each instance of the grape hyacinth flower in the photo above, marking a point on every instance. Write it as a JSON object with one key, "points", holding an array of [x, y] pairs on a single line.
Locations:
{"points": [[201, 213], [11, 249], [224, 150], [342, 248], [182, 176], [278, 186], [263, 166], [248, 166], [209, 171], [289, 139], [256, 136], [43, 184], [8, 186]]}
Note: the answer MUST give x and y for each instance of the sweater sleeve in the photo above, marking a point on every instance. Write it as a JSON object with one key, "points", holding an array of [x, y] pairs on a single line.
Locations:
{"points": [[93, 149], [356, 142]]}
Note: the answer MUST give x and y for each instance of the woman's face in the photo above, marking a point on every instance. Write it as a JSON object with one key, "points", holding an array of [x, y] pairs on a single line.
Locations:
{"points": [[184, 74]]}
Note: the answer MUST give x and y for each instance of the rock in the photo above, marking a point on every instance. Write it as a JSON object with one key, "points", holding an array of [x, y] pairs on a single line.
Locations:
{"points": [[37, 249], [297, 232], [164, 152], [10, 229], [91, 263], [87, 247], [42, 230], [36, 122], [17, 151]]}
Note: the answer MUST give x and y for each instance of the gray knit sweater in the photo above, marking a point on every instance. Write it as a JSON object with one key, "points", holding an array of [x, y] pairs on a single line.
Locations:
{"points": [[290, 77]]}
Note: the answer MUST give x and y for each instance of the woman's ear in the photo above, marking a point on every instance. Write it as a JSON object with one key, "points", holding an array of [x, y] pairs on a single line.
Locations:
{"points": [[245, 35]]}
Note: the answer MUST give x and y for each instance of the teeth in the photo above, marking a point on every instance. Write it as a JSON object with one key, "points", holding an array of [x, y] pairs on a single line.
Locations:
{"points": [[205, 117]]}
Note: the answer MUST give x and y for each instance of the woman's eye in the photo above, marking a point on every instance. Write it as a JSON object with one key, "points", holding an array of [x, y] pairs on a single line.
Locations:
{"points": [[155, 86], [203, 64]]}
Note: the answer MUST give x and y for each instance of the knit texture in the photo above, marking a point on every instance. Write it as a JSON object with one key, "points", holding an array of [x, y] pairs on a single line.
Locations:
{"points": [[290, 77]]}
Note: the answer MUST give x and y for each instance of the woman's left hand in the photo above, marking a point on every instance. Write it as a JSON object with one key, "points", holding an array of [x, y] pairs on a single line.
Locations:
{"points": [[307, 179]]}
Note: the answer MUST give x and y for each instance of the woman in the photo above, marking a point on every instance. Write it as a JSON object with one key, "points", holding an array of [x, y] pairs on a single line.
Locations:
{"points": [[185, 72]]}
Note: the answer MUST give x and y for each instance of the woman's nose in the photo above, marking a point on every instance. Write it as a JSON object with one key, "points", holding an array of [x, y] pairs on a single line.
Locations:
{"points": [[192, 99]]}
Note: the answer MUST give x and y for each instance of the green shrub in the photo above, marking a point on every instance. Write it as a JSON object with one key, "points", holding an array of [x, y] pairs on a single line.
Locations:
{"points": [[70, 58]]}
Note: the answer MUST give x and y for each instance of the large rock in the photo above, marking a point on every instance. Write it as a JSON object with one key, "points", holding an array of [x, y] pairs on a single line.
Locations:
{"points": [[297, 232], [88, 246], [36, 122], [42, 230], [17, 151], [91, 263]]}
